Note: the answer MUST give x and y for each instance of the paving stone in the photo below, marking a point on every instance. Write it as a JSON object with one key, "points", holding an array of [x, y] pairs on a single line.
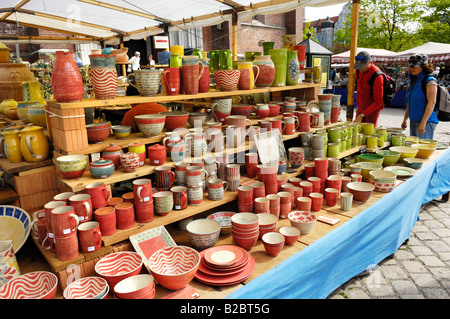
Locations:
{"points": [[425, 216], [416, 296], [425, 280], [440, 273], [438, 246], [404, 254], [414, 266], [431, 261], [433, 293], [444, 256], [421, 251], [433, 223], [442, 232], [404, 287], [393, 272], [426, 236], [420, 228]]}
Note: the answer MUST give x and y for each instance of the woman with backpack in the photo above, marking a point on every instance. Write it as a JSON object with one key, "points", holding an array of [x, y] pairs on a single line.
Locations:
{"points": [[421, 98]]}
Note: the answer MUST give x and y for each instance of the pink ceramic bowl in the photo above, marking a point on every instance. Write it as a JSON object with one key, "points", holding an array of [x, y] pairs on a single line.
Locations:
{"points": [[265, 230], [174, 267], [135, 287], [245, 220], [86, 288], [175, 119], [117, 266], [303, 220], [245, 242], [290, 234], [32, 285], [243, 233]]}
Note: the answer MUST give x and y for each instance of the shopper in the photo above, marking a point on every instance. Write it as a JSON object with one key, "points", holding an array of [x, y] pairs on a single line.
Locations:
{"points": [[135, 62], [420, 101], [150, 60], [369, 100]]}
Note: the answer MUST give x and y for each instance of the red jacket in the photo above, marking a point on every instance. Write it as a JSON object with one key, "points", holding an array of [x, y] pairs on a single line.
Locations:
{"points": [[367, 104]]}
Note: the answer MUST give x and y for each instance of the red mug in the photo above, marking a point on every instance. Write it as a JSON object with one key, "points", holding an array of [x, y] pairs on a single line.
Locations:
{"points": [[307, 188], [124, 215], [89, 236], [331, 196], [99, 194], [64, 197], [303, 203], [320, 165], [316, 201], [106, 217], [335, 181], [179, 197], [82, 205], [64, 221], [259, 189], [48, 213], [144, 212], [245, 194], [67, 247], [316, 183], [142, 190], [172, 80], [309, 170], [164, 177]]}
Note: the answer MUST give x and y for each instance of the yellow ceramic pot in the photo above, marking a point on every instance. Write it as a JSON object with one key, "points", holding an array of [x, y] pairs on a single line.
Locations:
{"points": [[12, 146], [32, 91], [34, 144], [6, 104], [22, 110]]}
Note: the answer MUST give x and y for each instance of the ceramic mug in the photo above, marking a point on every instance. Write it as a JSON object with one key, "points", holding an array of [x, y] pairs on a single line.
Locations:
{"points": [[89, 236], [221, 109], [195, 175], [67, 247], [180, 172], [142, 189], [195, 195], [99, 194], [64, 221], [164, 177], [106, 217], [64, 197], [179, 197], [317, 119], [216, 188], [82, 205], [296, 156]]}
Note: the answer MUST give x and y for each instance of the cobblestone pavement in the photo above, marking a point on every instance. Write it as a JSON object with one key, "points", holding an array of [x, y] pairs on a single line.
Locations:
{"points": [[420, 269]]}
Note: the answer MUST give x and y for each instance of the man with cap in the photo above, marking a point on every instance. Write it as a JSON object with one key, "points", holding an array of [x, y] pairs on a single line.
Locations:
{"points": [[369, 100], [135, 62]]}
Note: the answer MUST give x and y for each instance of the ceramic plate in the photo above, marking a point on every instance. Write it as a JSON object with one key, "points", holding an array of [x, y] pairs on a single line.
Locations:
{"points": [[14, 225], [149, 241], [442, 146], [208, 270], [401, 171], [270, 147], [223, 256]]}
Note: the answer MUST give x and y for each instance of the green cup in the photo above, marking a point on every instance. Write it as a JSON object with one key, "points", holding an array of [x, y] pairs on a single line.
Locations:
{"points": [[349, 143], [343, 145], [333, 149], [334, 135], [397, 140], [371, 141], [368, 128]]}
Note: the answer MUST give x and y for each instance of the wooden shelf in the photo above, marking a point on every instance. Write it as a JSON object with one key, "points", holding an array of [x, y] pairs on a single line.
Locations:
{"points": [[160, 98], [12, 168]]}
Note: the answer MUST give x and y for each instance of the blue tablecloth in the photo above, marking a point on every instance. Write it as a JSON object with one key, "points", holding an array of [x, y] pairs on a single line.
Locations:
{"points": [[360, 243]]}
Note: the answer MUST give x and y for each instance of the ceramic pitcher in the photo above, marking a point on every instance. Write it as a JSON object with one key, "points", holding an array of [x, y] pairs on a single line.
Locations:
{"points": [[12, 146], [225, 60], [191, 71], [34, 145], [33, 92], [266, 70], [145, 81], [9, 268], [103, 76], [253, 75]]}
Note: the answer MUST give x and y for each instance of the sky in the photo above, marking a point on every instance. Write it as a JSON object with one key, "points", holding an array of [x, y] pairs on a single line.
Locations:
{"points": [[315, 13]]}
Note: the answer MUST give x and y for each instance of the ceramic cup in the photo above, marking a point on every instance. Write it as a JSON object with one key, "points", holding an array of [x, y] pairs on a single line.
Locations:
{"points": [[164, 177], [82, 205], [216, 188], [99, 194], [67, 247], [346, 201], [331, 196], [64, 221], [106, 217], [142, 190], [89, 236], [316, 201], [179, 197], [303, 203], [124, 215]]}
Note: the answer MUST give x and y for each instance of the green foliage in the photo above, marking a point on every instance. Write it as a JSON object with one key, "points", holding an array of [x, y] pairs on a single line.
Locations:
{"points": [[307, 27]]}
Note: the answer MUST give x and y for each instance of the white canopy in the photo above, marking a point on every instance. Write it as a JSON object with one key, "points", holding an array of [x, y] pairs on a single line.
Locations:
{"points": [[110, 20], [435, 51], [377, 55]]}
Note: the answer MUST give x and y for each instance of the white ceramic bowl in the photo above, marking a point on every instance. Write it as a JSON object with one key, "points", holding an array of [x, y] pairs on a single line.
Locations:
{"points": [[245, 220], [267, 220], [134, 287], [203, 232], [303, 220]]}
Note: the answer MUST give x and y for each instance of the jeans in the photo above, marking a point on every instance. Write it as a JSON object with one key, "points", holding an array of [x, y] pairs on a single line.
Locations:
{"points": [[429, 130]]}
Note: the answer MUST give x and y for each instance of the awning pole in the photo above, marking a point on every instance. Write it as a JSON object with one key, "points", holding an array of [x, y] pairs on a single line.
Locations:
{"points": [[351, 72], [234, 36]]}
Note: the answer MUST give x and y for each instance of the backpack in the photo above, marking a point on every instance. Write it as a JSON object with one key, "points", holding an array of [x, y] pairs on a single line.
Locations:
{"points": [[442, 107], [389, 86]]}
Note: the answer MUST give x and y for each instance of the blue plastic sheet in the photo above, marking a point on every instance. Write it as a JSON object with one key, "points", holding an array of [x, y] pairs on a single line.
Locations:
{"points": [[359, 244]]}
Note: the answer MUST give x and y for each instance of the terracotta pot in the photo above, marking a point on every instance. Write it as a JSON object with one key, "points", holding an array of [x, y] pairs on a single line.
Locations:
{"points": [[157, 154], [67, 83], [11, 77]]}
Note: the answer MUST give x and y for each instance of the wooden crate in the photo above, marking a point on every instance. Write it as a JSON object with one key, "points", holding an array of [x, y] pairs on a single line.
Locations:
{"points": [[35, 181], [70, 141], [38, 199]]}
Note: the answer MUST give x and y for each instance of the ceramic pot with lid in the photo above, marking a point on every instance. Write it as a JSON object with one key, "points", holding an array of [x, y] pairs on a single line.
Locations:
{"points": [[113, 152], [102, 168]]}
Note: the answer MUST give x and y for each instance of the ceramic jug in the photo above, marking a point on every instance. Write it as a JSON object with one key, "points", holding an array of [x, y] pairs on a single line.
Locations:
{"points": [[213, 61], [9, 268], [34, 145], [293, 73], [67, 83], [225, 60], [146, 81], [191, 70], [12, 146], [266, 70], [172, 80], [103, 76], [175, 61], [279, 58], [203, 82], [267, 46], [33, 92], [253, 75]]}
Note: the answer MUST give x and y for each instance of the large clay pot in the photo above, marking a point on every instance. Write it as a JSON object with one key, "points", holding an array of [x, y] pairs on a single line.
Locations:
{"points": [[293, 72], [192, 70], [67, 83], [266, 71], [34, 145], [12, 146], [146, 81], [104, 76], [11, 77], [279, 58]]}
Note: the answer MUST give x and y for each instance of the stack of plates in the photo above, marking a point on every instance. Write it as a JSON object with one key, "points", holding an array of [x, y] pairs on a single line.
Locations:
{"points": [[224, 265]]}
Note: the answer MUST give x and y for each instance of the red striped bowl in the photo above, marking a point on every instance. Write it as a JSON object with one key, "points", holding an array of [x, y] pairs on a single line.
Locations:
{"points": [[86, 288], [118, 266], [174, 267], [33, 285]]}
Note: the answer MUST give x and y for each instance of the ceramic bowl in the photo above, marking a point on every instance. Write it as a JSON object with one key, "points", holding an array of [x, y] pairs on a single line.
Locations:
{"points": [[246, 242], [224, 219], [245, 220], [36, 115], [72, 166], [302, 220], [424, 150], [383, 181], [15, 225], [175, 119], [241, 109], [413, 162], [267, 220], [390, 157], [244, 232], [121, 131], [92, 287], [405, 152], [150, 124], [429, 142], [102, 168], [366, 167], [374, 158], [174, 267], [197, 119], [117, 266], [134, 287], [290, 234], [268, 229], [32, 285], [227, 80], [361, 191], [98, 132], [273, 243], [203, 232]]}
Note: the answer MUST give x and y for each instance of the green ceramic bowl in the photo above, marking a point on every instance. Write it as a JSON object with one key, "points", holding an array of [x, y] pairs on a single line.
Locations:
{"points": [[390, 157], [413, 162], [374, 158], [366, 167]]}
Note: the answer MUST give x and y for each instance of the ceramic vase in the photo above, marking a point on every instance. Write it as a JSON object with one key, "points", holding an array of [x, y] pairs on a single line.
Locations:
{"points": [[266, 71], [192, 70], [293, 73], [301, 55], [268, 45], [67, 83], [279, 58], [103, 76]]}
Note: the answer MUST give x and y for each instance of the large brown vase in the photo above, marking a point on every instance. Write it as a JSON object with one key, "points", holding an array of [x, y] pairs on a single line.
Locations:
{"points": [[11, 77], [67, 83]]}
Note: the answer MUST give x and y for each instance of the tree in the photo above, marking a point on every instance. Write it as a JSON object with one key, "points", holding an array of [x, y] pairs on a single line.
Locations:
{"points": [[385, 24], [307, 28], [436, 24]]}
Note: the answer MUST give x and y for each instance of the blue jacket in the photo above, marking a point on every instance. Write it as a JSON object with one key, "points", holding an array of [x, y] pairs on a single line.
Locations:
{"points": [[417, 99]]}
